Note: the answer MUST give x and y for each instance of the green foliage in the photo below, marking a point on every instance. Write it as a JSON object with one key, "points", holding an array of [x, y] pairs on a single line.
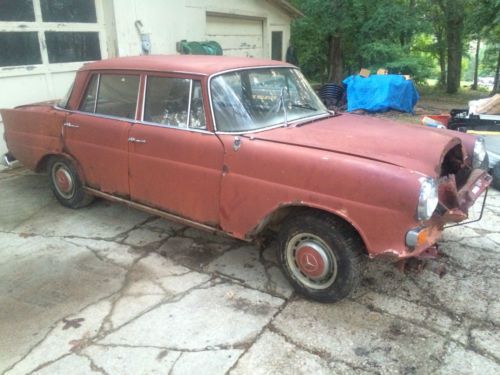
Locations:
{"points": [[404, 36], [488, 63], [374, 34], [419, 68]]}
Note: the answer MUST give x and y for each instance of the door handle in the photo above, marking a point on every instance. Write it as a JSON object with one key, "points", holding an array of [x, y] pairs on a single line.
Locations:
{"points": [[70, 125], [135, 140]]}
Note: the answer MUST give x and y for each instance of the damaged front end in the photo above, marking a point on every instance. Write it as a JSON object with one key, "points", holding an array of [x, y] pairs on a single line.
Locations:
{"points": [[445, 202]]}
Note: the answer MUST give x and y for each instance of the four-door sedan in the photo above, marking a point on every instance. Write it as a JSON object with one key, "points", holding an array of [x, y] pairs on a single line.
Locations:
{"points": [[245, 147]]}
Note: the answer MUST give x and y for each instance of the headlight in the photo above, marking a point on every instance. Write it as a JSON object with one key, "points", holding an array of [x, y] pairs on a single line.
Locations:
{"points": [[479, 157], [428, 198]]}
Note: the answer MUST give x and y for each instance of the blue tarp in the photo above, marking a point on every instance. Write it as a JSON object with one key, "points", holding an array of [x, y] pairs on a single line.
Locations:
{"points": [[380, 93]]}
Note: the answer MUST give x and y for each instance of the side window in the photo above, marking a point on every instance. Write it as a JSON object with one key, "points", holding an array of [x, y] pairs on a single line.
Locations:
{"points": [[168, 102], [117, 95], [88, 103], [197, 114]]}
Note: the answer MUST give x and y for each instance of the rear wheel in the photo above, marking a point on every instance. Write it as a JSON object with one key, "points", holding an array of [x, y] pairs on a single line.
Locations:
{"points": [[66, 185], [321, 256]]}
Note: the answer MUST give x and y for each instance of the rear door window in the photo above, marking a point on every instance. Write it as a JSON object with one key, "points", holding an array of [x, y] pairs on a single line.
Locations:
{"points": [[112, 95]]}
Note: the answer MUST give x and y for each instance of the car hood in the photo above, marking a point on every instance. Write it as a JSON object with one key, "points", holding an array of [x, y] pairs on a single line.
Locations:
{"points": [[415, 147]]}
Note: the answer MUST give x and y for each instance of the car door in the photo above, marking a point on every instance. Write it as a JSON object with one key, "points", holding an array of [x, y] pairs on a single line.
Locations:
{"points": [[175, 161], [97, 134]]}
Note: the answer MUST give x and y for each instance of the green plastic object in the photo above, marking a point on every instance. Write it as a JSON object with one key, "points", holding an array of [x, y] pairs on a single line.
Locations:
{"points": [[200, 48]]}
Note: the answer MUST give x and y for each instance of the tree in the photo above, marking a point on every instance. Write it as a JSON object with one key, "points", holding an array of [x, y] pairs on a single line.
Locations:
{"points": [[454, 13], [342, 36], [484, 23], [476, 63]]}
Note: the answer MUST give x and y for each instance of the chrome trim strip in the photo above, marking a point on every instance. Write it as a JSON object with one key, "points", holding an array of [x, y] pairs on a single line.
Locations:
{"points": [[138, 95], [189, 103], [144, 97], [83, 68], [204, 131], [147, 123], [96, 91], [154, 211], [109, 117]]}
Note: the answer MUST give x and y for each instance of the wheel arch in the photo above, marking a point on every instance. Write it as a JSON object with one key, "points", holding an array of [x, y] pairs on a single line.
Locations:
{"points": [[275, 219], [43, 163]]}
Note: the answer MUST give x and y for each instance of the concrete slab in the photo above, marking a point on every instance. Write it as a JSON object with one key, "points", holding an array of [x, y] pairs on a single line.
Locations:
{"points": [[208, 362], [218, 315], [272, 354], [246, 264], [42, 281], [110, 290], [130, 360]]}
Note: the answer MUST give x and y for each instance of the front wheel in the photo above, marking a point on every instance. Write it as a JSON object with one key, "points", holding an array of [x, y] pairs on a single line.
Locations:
{"points": [[321, 256], [66, 185]]}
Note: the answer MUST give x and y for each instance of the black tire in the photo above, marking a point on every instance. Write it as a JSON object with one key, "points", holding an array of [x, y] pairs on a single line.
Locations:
{"points": [[66, 184], [496, 176], [327, 241]]}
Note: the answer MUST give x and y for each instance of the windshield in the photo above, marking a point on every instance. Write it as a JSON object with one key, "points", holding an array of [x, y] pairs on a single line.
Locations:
{"points": [[259, 98]]}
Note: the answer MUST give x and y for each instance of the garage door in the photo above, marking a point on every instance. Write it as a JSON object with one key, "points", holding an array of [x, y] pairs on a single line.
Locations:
{"points": [[237, 36]]}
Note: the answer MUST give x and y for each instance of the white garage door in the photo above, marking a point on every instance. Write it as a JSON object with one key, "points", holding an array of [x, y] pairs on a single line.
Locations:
{"points": [[237, 36]]}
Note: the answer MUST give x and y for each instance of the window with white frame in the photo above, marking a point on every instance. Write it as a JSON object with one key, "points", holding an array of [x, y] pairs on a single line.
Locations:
{"points": [[46, 32]]}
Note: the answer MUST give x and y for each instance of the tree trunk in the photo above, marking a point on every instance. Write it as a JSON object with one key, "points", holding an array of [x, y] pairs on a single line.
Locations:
{"points": [[476, 64], [336, 63], [442, 58], [496, 83], [454, 38]]}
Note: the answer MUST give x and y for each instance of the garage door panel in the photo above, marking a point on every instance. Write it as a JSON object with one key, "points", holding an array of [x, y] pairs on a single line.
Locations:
{"points": [[235, 42], [237, 36]]}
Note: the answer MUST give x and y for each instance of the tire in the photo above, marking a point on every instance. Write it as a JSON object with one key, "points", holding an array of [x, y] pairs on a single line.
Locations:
{"points": [[66, 184], [496, 176], [321, 256]]}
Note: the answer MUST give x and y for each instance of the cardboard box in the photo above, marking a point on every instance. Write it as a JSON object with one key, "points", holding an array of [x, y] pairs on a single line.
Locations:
{"points": [[382, 72], [364, 73]]}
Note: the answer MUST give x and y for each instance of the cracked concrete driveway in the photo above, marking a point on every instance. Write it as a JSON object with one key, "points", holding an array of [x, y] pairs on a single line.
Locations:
{"points": [[110, 290]]}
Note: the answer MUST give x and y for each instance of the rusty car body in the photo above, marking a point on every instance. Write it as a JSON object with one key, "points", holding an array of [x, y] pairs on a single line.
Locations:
{"points": [[245, 147]]}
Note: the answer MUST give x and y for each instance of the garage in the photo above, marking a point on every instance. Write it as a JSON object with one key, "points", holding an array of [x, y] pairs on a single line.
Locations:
{"points": [[238, 36]]}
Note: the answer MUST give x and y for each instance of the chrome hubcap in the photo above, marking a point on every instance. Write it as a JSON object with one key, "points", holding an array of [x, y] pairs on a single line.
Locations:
{"points": [[63, 180], [311, 261]]}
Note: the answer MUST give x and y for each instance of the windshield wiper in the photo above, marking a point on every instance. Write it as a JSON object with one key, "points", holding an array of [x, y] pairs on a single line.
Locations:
{"points": [[282, 100], [304, 106]]}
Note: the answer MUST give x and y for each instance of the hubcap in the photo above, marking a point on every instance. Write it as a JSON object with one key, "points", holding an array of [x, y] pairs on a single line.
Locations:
{"points": [[311, 261], [63, 180]]}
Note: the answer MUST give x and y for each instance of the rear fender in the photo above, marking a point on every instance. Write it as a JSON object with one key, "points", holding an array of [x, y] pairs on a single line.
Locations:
{"points": [[33, 132]]}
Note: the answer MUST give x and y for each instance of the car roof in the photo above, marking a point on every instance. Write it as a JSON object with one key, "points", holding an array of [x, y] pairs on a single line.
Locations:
{"points": [[193, 64]]}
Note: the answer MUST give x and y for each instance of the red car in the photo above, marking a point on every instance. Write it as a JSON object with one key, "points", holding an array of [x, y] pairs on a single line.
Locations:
{"points": [[245, 147]]}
